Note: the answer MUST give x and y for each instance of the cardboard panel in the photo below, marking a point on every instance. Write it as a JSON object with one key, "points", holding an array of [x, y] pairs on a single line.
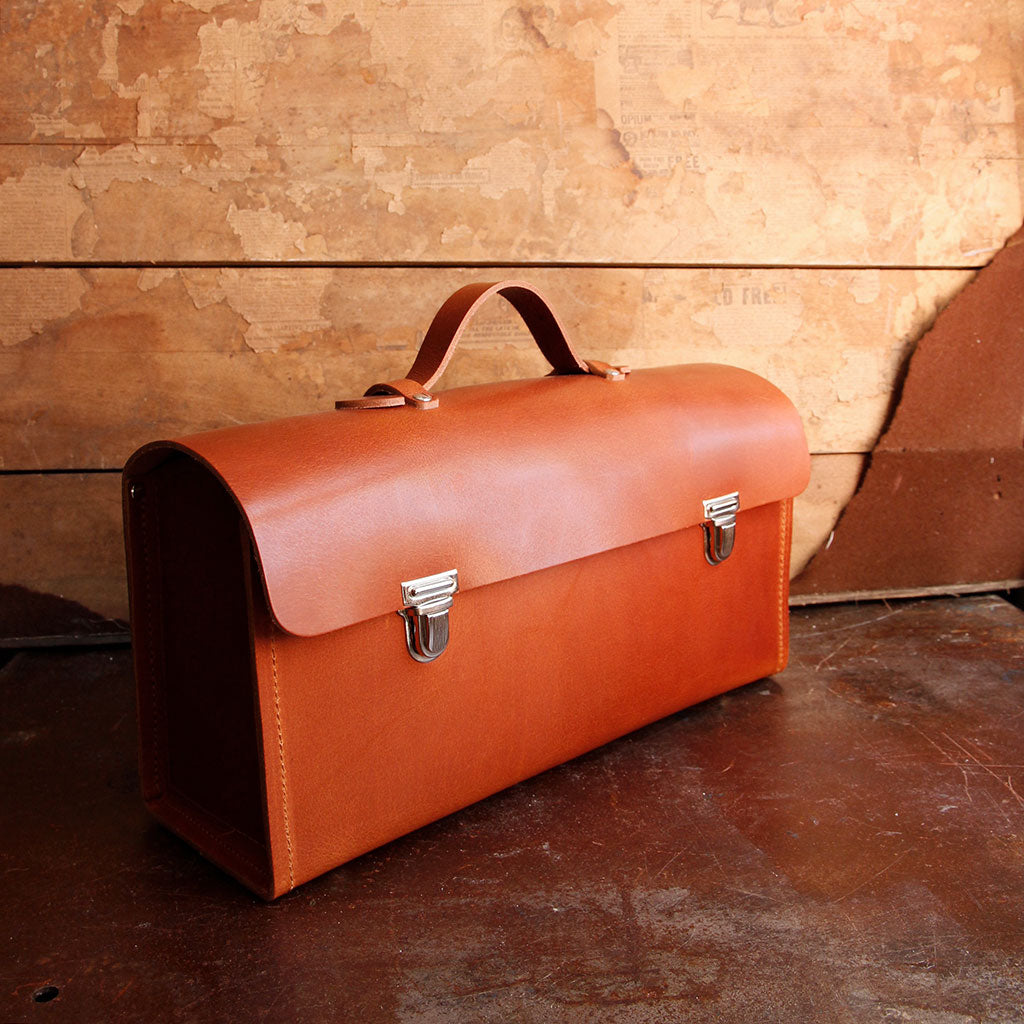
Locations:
{"points": [[942, 502]]}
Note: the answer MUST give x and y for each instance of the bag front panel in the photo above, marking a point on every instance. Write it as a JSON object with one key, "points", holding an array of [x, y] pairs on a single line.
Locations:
{"points": [[364, 744]]}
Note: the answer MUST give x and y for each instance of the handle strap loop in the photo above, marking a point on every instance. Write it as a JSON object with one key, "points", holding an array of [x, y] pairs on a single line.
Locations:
{"points": [[448, 326]]}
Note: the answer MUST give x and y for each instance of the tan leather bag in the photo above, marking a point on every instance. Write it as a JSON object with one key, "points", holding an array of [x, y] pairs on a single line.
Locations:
{"points": [[349, 624]]}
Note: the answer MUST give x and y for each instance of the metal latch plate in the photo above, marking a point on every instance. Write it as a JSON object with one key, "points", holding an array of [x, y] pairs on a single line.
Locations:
{"points": [[427, 602], [720, 531]]}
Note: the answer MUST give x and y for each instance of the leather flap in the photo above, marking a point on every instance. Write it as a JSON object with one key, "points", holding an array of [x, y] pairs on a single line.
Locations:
{"points": [[500, 480]]}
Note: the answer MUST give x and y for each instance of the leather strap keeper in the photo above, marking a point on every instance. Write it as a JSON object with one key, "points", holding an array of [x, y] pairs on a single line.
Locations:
{"points": [[349, 624]]}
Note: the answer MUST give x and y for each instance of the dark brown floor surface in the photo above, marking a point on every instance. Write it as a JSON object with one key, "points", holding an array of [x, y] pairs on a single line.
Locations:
{"points": [[843, 842]]}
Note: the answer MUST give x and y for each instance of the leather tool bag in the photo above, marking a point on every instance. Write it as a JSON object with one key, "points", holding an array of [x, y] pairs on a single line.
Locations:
{"points": [[349, 624]]}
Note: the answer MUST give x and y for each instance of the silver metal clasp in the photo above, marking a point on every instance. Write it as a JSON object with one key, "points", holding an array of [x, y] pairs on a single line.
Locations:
{"points": [[427, 602], [720, 532]]}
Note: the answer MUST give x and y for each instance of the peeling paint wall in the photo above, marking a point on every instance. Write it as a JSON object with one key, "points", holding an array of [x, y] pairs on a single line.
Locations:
{"points": [[700, 131], [209, 208]]}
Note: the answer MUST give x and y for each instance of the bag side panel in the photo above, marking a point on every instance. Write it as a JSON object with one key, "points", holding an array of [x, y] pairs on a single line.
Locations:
{"points": [[540, 669], [199, 749]]}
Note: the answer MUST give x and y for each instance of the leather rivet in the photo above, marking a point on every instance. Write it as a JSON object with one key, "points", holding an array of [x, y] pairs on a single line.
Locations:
{"points": [[422, 397]]}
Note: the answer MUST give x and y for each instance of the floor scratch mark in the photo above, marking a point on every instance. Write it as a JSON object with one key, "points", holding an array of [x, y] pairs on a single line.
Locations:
{"points": [[851, 625], [877, 874], [668, 864], [967, 788], [829, 657], [1007, 784]]}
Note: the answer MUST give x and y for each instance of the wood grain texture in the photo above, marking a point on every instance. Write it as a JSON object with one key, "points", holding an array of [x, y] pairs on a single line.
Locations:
{"points": [[736, 131], [64, 533], [98, 361], [771, 133]]}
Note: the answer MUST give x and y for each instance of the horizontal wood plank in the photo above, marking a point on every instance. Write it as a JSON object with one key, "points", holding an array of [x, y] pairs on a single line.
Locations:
{"points": [[64, 533], [736, 131], [96, 362]]}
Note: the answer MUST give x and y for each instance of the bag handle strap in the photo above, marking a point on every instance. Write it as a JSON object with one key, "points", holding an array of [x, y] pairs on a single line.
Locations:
{"points": [[448, 326]]}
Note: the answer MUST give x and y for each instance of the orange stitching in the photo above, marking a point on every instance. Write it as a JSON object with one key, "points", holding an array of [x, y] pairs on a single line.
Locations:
{"points": [[783, 531], [280, 751]]}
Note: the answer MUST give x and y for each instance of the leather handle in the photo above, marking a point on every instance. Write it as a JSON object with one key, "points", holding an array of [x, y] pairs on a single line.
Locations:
{"points": [[448, 326]]}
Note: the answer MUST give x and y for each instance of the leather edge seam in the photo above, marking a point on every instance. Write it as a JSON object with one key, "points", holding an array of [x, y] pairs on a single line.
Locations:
{"points": [[783, 604], [280, 751]]}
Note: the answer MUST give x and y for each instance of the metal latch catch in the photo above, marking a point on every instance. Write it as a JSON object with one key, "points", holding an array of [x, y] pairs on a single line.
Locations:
{"points": [[720, 532], [427, 602]]}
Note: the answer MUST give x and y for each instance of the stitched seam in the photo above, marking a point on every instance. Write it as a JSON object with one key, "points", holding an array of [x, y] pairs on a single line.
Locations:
{"points": [[154, 688], [280, 751], [783, 530], [218, 839]]}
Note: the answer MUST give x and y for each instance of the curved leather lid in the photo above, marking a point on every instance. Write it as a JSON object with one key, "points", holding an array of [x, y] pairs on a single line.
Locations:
{"points": [[500, 480]]}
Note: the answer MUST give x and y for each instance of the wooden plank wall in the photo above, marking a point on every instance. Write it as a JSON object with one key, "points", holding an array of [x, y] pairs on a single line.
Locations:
{"points": [[225, 210]]}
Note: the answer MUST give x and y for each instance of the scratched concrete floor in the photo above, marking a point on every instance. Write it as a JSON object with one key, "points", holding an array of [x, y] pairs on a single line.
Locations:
{"points": [[843, 842]]}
